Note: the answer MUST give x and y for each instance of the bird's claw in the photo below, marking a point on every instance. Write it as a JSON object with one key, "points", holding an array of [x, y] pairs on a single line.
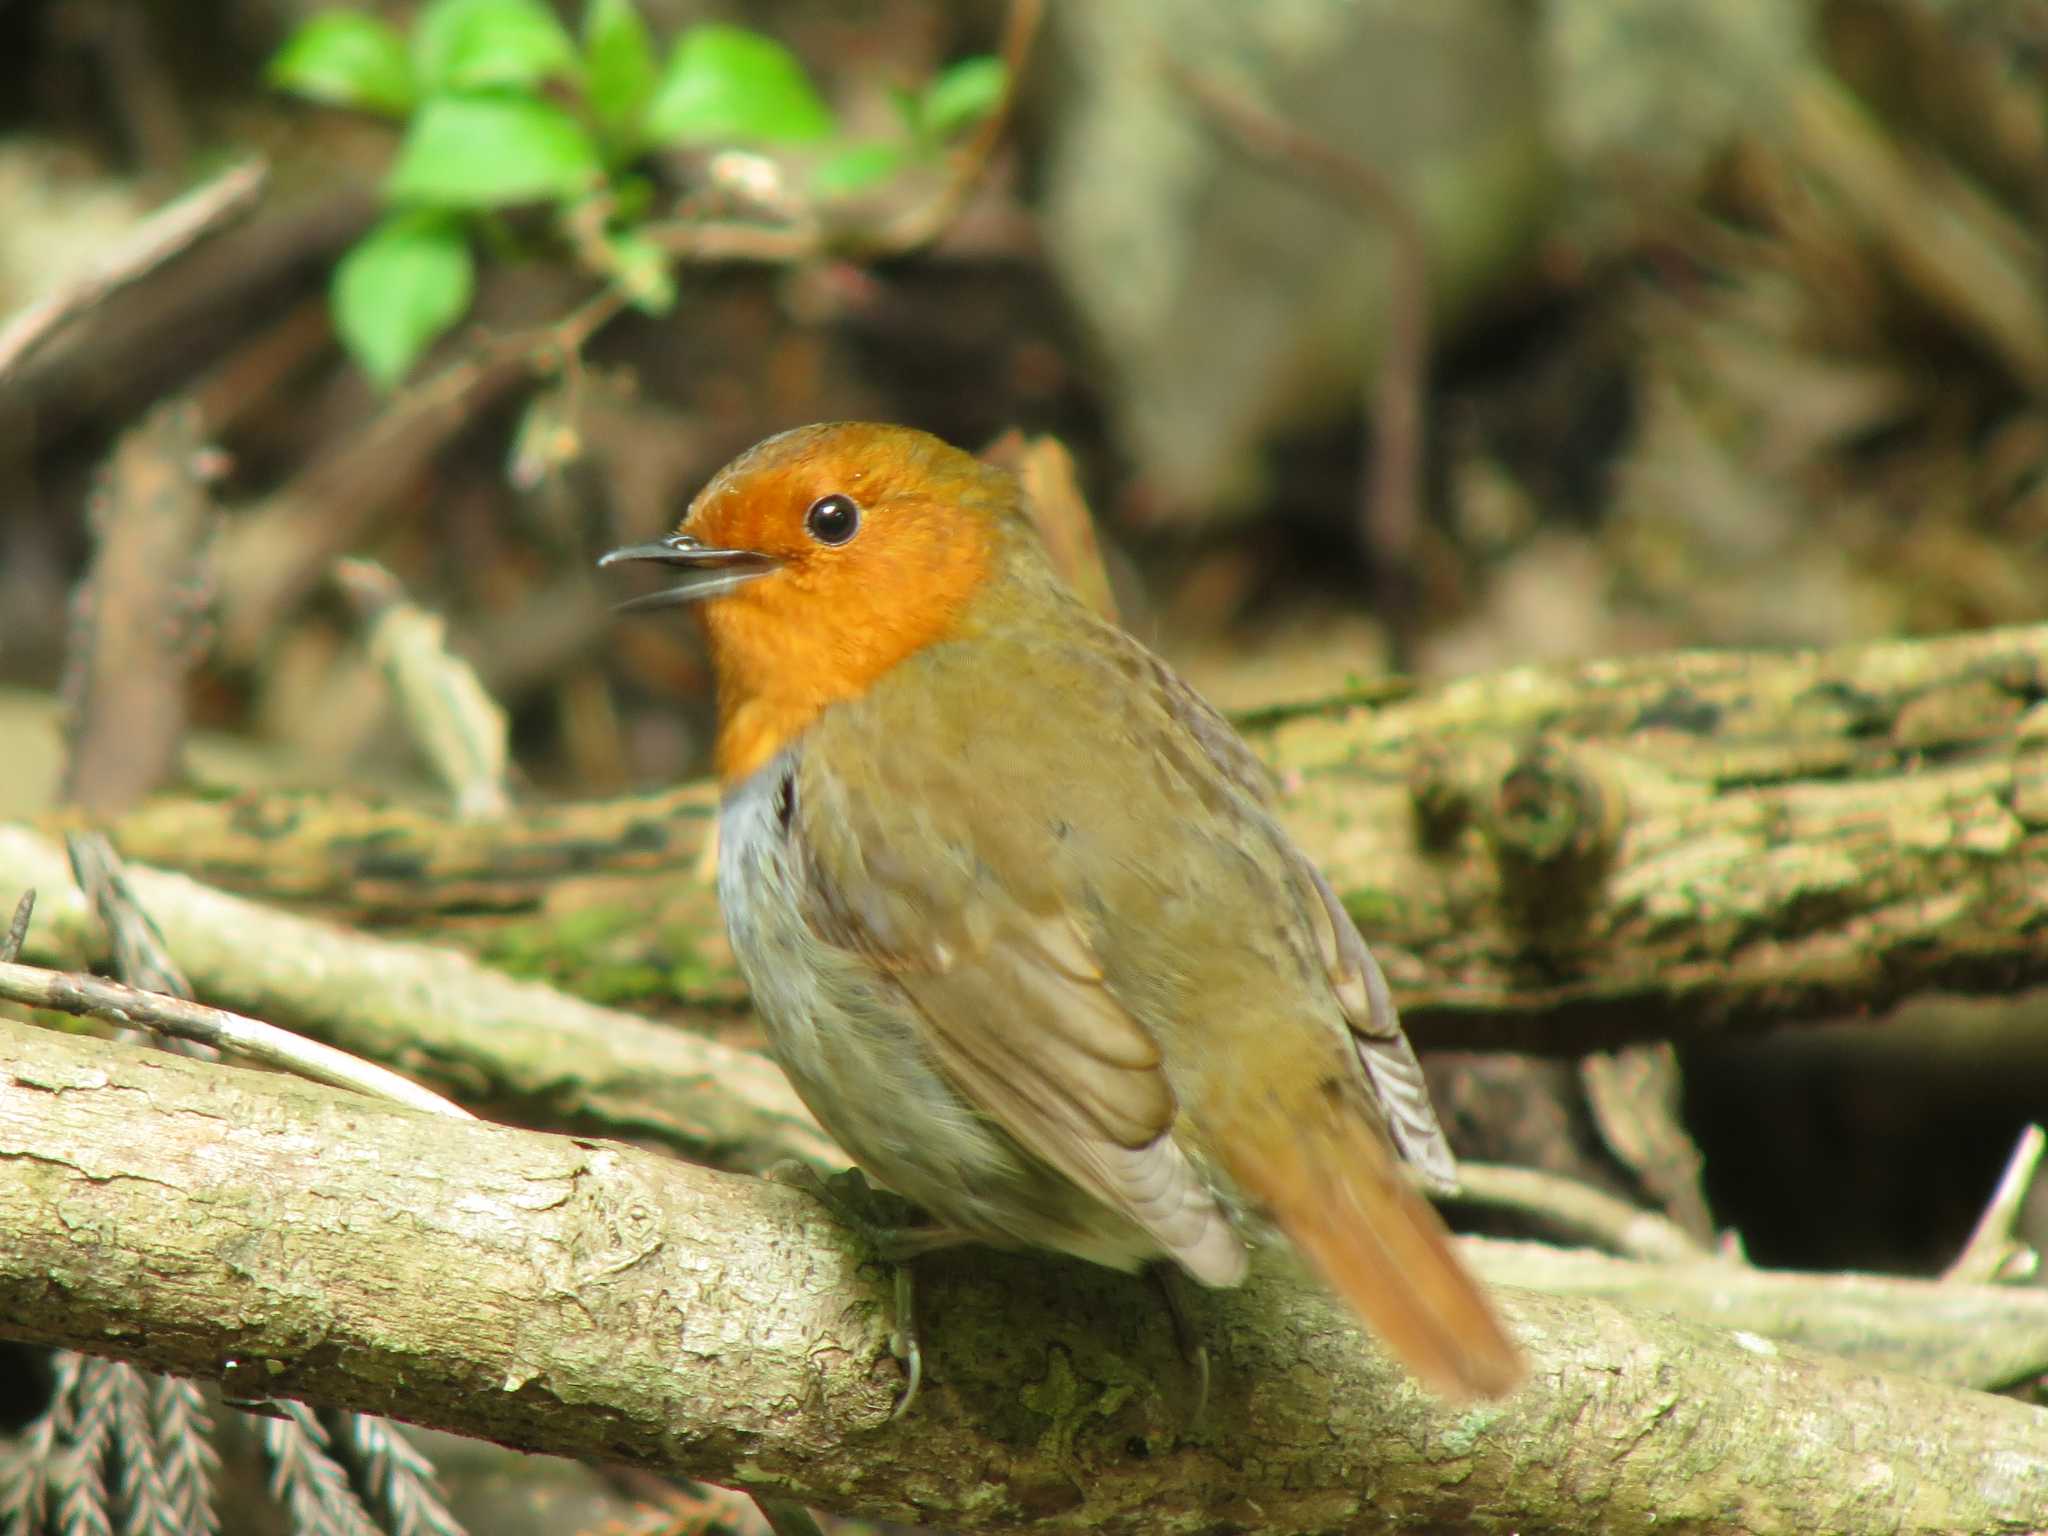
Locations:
{"points": [[903, 1340], [1193, 1348], [855, 1203]]}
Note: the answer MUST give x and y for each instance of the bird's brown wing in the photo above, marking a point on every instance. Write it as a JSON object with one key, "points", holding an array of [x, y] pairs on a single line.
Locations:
{"points": [[1355, 977], [1013, 1004]]}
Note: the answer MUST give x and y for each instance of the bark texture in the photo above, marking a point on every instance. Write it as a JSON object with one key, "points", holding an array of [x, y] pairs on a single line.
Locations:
{"points": [[577, 1296]]}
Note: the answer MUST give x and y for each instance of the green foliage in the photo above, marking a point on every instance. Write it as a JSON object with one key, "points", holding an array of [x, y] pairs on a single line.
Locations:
{"points": [[400, 287], [728, 85], [346, 59], [619, 54], [962, 95], [504, 108], [492, 151], [467, 45]]}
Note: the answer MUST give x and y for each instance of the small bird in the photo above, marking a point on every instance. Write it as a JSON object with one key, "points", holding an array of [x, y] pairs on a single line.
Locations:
{"points": [[1018, 918]]}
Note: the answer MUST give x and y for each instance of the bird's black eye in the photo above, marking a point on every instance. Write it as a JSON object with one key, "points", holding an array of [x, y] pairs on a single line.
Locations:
{"points": [[832, 519]]}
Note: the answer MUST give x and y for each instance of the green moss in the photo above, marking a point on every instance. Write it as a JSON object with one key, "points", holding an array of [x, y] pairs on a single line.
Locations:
{"points": [[1371, 909]]}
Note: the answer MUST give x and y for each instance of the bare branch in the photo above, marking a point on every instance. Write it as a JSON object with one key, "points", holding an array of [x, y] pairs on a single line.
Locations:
{"points": [[162, 235], [586, 1298]]}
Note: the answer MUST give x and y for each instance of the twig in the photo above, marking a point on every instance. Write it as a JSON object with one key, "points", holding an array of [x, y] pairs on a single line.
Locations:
{"points": [[139, 616], [140, 958], [278, 551], [154, 241], [252, 1039], [1634, 1096], [925, 223], [1052, 493], [807, 238], [17, 930], [1390, 518], [443, 1013], [449, 714], [1576, 1210], [1994, 1250]]}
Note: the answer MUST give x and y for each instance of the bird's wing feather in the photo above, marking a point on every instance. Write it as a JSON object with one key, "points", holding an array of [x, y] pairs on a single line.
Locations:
{"points": [[1355, 977], [1013, 1003]]}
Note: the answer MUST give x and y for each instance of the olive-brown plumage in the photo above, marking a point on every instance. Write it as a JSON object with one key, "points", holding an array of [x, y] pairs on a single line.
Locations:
{"points": [[1016, 912]]}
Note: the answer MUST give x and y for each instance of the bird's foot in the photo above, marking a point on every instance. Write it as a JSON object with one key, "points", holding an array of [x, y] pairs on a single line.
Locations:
{"points": [[1193, 1349], [856, 1203]]}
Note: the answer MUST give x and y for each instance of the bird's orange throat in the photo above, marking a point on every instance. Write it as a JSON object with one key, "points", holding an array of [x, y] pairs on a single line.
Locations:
{"points": [[787, 647]]}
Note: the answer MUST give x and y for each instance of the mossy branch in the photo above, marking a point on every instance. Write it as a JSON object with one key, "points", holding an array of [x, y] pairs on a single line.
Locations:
{"points": [[1545, 858]]}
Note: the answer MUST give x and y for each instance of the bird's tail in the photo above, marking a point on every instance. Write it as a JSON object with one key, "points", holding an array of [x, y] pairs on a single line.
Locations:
{"points": [[1332, 1183]]}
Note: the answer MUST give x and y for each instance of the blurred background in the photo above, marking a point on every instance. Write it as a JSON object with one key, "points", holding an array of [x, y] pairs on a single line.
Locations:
{"points": [[1431, 338]]}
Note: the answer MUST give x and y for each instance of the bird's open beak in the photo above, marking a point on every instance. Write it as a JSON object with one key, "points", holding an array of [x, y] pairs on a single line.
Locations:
{"points": [[706, 572]]}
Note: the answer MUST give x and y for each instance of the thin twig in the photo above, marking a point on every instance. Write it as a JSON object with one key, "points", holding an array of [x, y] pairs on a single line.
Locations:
{"points": [[807, 238], [158, 238], [252, 1039], [1994, 1250], [141, 959], [1634, 1096], [17, 930], [457, 726], [926, 222], [1577, 1210], [1390, 520]]}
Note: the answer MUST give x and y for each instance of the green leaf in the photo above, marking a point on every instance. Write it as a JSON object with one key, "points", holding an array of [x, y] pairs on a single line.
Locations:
{"points": [[909, 109], [486, 151], [725, 85], [347, 59], [963, 94], [467, 45], [642, 270], [859, 167], [619, 66], [398, 288]]}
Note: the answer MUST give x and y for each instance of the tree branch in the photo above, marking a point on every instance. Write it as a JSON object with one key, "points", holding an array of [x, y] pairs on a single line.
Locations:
{"points": [[1550, 858], [581, 1297], [440, 1016]]}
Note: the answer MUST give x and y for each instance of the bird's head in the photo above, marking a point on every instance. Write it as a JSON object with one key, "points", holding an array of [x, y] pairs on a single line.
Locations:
{"points": [[820, 559]]}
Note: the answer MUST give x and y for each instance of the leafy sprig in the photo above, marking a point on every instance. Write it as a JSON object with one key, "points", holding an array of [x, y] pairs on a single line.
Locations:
{"points": [[502, 108]]}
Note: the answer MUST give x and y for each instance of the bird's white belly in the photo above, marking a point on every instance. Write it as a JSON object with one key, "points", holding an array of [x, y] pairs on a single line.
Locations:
{"points": [[855, 1054]]}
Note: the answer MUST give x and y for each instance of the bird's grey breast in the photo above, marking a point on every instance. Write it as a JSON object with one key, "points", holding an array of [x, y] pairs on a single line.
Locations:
{"points": [[840, 1029]]}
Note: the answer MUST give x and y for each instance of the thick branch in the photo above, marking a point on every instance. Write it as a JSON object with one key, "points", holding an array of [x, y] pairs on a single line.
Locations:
{"points": [[581, 1297], [1547, 858]]}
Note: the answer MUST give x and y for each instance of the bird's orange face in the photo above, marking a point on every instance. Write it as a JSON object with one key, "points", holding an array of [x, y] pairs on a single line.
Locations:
{"points": [[819, 560]]}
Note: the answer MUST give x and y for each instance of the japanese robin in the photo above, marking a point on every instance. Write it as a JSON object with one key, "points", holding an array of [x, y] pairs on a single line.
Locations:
{"points": [[1016, 912]]}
